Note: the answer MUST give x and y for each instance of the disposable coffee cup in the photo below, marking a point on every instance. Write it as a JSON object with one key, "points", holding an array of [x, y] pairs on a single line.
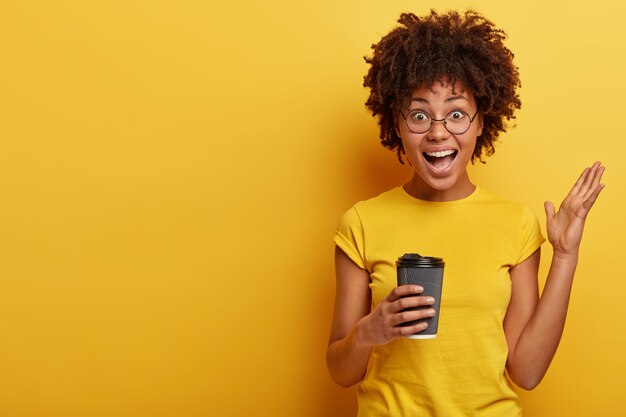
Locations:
{"points": [[427, 272]]}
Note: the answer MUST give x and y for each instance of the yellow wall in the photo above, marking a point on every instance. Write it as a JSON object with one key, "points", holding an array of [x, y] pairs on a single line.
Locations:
{"points": [[171, 174]]}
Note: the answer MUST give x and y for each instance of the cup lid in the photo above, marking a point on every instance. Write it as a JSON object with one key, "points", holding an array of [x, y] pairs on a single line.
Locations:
{"points": [[416, 260]]}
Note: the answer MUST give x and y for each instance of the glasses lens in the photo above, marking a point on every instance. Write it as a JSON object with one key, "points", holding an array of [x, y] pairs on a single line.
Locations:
{"points": [[418, 121], [457, 122]]}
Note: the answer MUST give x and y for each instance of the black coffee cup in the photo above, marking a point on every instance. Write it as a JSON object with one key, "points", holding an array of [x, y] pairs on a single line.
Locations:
{"points": [[427, 272]]}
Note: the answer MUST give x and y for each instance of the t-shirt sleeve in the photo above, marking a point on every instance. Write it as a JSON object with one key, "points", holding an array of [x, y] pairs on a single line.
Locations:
{"points": [[349, 237], [531, 237]]}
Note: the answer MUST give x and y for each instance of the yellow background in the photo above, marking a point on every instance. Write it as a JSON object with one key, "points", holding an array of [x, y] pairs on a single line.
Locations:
{"points": [[171, 174]]}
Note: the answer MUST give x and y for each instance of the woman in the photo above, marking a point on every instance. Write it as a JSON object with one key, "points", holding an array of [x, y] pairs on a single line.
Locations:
{"points": [[442, 87]]}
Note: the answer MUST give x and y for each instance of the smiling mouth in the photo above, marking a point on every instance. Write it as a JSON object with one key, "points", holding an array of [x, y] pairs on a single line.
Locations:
{"points": [[440, 160]]}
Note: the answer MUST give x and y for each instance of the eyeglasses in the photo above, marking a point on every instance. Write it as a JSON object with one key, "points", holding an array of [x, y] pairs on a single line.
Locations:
{"points": [[456, 122]]}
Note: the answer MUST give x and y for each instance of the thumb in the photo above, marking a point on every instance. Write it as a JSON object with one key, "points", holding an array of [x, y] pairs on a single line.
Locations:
{"points": [[550, 212]]}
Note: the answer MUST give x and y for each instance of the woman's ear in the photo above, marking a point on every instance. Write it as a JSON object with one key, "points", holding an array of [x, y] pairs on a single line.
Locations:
{"points": [[396, 124], [480, 125]]}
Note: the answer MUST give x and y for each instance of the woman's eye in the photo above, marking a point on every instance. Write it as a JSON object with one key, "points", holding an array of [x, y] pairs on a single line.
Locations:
{"points": [[456, 115], [419, 116]]}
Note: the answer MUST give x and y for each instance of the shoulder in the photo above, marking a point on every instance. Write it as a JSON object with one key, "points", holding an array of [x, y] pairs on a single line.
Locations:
{"points": [[508, 215], [373, 211], [380, 201], [501, 205]]}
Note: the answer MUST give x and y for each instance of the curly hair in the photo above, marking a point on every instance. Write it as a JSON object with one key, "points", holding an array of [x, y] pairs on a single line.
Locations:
{"points": [[449, 47]]}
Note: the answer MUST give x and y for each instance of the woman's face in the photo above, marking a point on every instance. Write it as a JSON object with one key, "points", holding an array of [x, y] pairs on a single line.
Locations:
{"points": [[438, 156]]}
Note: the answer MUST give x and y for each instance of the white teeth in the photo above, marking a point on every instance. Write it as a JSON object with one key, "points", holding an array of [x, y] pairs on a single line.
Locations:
{"points": [[440, 154]]}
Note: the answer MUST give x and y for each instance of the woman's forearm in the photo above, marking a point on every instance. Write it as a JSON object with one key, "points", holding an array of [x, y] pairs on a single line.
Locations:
{"points": [[538, 342], [347, 358]]}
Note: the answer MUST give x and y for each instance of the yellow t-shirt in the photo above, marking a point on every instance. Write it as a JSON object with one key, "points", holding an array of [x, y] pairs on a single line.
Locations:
{"points": [[462, 371]]}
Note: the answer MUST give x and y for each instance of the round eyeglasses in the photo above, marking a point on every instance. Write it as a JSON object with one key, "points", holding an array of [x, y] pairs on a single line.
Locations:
{"points": [[456, 122]]}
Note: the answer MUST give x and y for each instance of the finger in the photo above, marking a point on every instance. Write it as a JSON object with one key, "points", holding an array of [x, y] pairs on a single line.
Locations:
{"points": [[550, 211], [589, 202], [404, 291], [580, 181], [411, 302], [590, 177], [411, 315], [409, 330], [594, 182]]}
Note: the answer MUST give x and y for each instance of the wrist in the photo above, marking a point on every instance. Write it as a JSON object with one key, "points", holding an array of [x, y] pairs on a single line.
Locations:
{"points": [[360, 334], [563, 256]]}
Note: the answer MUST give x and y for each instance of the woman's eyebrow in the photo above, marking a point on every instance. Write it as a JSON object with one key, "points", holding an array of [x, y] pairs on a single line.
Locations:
{"points": [[453, 98]]}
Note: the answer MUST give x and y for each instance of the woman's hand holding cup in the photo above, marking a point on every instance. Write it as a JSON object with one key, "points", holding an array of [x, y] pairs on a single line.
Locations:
{"points": [[383, 323]]}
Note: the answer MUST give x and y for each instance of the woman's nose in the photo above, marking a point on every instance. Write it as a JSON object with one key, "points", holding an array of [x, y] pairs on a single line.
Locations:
{"points": [[437, 131]]}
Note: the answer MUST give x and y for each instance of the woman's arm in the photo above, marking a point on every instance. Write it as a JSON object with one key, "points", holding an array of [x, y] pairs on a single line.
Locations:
{"points": [[533, 326], [347, 357], [356, 330]]}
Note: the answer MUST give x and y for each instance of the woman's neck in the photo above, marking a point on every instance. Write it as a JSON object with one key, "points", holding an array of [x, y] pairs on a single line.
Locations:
{"points": [[417, 188]]}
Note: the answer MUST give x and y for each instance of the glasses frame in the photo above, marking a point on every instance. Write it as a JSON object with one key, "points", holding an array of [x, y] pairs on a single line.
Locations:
{"points": [[432, 119]]}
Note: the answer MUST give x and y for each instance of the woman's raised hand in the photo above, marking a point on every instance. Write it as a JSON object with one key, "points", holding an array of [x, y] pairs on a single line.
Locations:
{"points": [[565, 227], [382, 325]]}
